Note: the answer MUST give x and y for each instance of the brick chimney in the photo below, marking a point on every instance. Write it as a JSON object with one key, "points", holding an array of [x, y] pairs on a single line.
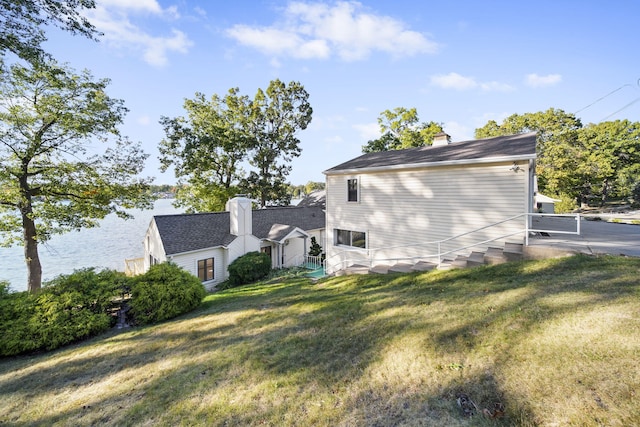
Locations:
{"points": [[441, 138]]}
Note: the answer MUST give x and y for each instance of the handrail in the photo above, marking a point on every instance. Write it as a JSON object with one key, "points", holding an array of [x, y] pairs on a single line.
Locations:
{"points": [[526, 230]]}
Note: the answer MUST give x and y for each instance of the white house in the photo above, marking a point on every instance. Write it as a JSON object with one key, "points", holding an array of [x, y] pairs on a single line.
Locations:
{"points": [[388, 206], [206, 243]]}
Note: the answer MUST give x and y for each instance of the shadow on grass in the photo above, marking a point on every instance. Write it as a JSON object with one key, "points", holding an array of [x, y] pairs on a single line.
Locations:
{"points": [[249, 354]]}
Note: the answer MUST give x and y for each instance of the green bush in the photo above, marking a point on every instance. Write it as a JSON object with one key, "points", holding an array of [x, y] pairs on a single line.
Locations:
{"points": [[67, 309], [567, 204], [164, 292], [248, 268]]}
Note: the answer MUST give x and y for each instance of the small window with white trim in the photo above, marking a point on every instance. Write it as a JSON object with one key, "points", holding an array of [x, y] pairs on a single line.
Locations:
{"points": [[353, 190], [205, 269], [356, 239]]}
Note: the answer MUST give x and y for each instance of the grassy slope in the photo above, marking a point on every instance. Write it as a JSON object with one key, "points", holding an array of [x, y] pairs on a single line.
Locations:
{"points": [[555, 341]]}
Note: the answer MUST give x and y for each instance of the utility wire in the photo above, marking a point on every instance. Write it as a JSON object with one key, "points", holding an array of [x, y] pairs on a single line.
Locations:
{"points": [[611, 93]]}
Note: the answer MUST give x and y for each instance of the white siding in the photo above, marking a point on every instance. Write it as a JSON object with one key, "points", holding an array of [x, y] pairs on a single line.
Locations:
{"points": [[153, 246], [189, 262], [400, 208]]}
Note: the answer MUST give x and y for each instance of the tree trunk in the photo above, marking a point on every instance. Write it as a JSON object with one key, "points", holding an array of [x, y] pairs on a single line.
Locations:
{"points": [[34, 268]]}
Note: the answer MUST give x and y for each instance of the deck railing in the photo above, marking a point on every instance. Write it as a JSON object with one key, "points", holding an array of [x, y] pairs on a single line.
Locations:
{"points": [[134, 267]]}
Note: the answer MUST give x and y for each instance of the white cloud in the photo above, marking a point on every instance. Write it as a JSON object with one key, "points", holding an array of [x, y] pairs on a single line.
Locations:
{"points": [[317, 30], [144, 120], [114, 19], [368, 131], [453, 81], [457, 131], [535, 80], [460, 82], [496, 87]]}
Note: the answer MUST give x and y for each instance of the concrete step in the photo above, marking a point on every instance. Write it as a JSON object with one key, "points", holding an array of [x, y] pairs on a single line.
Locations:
{"points": [[379, 269], [475, 259], [353, 269], [460, 262], [401, 267], [495, 256], [424, 266], [513, 251]]}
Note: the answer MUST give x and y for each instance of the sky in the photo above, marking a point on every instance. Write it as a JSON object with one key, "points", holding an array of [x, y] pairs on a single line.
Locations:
{"points": [[459, 63]]}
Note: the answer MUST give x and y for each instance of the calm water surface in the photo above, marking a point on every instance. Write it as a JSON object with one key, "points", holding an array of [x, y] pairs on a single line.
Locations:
{"points": [[104, 247]]}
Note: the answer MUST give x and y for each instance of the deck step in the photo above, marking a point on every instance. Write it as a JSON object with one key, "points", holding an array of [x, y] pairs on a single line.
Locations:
{"points": [[353, 269]]}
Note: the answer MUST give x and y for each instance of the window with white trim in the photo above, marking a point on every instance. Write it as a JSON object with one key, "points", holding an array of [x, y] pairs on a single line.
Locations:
{"points": [[205, 269], [353, 190], [356, 239]]}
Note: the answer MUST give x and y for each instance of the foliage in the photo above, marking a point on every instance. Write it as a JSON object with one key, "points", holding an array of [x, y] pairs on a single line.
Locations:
{"points": [[23, 23], [556, 341], [68, 309], [302, 190], [315, 249], [400, 129], [273, 119], [53, 180], [567, 204], [164, 292], [248, 268], [596, 162], [205, 148]]}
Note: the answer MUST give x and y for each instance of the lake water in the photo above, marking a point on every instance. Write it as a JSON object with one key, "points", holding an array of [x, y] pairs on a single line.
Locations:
{"points": [[106, 246]]}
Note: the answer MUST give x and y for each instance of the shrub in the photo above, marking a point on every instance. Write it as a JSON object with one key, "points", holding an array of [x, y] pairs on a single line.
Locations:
{"points": [[164, 292], [315, 249], [248, 268], [567, 204], [67, 309]]}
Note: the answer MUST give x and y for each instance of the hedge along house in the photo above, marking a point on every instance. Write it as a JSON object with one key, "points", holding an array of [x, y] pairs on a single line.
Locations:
{"points": [[388, 206], [206, 243]]}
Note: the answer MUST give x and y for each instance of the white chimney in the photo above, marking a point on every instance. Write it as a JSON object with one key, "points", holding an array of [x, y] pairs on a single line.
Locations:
{"points": [[441, 138], [240, 216]]}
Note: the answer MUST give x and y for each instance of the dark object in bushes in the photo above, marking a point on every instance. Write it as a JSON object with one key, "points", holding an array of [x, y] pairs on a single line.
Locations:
{"points": [[248, 268], [164, 292]]}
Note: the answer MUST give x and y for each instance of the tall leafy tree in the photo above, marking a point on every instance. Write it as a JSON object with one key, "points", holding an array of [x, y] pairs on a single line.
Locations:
{"points": [[609, 162], [53, 175], [206, 149], [274, 118], [23, 22], [401, 128], [557, 146]]}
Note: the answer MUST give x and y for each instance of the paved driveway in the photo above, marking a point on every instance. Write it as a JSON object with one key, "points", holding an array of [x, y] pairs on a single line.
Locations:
{"points": [[596, 237]]}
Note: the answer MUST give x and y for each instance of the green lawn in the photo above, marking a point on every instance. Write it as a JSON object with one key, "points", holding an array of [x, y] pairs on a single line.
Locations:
{"points": [[556, 342]]}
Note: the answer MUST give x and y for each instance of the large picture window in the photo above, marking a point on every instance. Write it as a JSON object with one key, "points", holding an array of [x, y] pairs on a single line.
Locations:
{"points": [[352, 190], [205, 269], [357, 239]]}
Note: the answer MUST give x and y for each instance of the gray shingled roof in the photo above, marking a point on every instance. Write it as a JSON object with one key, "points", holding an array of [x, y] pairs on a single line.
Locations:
{"points": [[522, 146], [189, 232]]}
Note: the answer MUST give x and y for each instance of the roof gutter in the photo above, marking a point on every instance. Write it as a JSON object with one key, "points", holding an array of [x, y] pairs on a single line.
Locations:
{"points": [[430, 164]]}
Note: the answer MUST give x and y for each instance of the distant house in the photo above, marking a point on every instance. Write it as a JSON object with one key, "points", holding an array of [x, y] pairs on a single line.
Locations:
{"points": [[545, 204], [206, 243], [386, 206]]}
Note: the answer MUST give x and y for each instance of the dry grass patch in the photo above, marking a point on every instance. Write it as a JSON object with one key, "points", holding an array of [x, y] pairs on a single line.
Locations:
{"points": [[555, 342]]}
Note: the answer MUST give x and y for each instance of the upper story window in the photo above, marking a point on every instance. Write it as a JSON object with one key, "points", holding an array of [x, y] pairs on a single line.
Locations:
{"points": [[352, 190]]}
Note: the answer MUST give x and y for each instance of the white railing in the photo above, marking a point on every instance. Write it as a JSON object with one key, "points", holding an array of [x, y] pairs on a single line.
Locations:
{"points": [[353, 256], [134, 267]]}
